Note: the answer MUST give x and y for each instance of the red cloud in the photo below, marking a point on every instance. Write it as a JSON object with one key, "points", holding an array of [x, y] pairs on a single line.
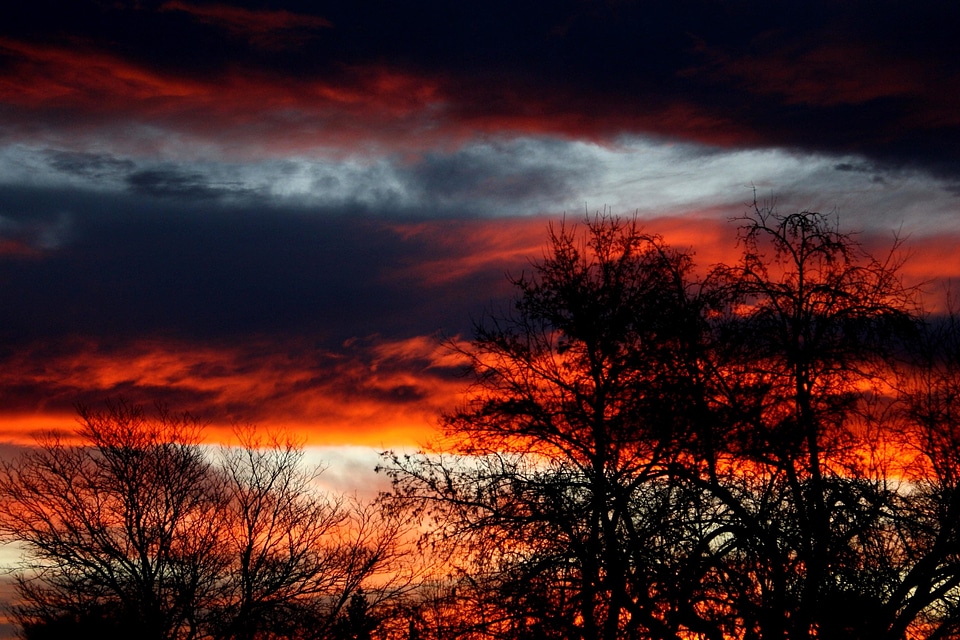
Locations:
{"points": [[268, 29], [101, 90], [82, 93], [369, 393], [59, 77]]}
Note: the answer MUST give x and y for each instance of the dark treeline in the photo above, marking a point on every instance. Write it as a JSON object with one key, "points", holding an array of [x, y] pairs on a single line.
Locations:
{"points": [[764, 449], [138, 531]]}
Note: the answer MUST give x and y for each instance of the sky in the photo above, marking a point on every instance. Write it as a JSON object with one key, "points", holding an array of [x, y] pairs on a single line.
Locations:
{"points": [[275, 212]]}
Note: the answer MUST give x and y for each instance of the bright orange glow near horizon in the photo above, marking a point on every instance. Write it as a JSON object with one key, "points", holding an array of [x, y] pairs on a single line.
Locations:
{"points": [[371, 391], [386, 396]]}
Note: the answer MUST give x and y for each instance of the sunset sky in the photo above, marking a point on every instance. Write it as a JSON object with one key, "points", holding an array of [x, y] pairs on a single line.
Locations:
{"points": [[270, 212]]}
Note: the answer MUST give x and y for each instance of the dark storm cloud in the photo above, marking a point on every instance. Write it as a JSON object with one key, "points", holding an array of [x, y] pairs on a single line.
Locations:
{"points": [[875, 78], [171, 182], [130, 268], [497, 178], [94, 166]]}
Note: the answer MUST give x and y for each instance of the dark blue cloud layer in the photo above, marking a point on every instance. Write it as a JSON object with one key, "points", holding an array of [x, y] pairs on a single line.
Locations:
{"points": [[124, 266], [876, 78]]}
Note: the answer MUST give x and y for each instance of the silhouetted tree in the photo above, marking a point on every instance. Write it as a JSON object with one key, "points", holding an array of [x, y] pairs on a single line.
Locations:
{"points": [[136, 530], [924, 587], [291, 545], [811, 327], [94, 622], [356, 622], [649, 454], [585, 396], [125, 523]]}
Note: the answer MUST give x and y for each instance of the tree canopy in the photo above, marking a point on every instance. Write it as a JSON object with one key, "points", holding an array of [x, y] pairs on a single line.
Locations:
{"points": [[650, 450]]}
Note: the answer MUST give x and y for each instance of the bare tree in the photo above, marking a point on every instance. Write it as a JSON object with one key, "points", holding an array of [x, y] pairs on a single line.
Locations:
{"points": [[138, 530], [278, 529], [299, 552], [649, 454], [924, 589], [127, 522], [584, 399], [811, 329]]}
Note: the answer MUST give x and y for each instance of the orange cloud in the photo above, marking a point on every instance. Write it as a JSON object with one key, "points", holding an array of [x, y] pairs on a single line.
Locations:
{"points": [[932, 264], [368, 391], [371, 392], [468, 247], [509, 245]]}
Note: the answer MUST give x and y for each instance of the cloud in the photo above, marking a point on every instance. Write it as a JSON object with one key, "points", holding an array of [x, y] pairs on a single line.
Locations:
{"points": [[128, 266], [90, 166], [524, 176], [247, 204], [369, 391], [340, 343], [819, 73], [278, 29], [30, 238], [834, 80], [171, 182], [325, 321], [460, 252], [82, 78], [71, 93]]}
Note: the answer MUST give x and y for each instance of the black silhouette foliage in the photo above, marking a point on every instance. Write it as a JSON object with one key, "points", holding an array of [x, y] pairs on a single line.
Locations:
{"points": [[655, 451]]}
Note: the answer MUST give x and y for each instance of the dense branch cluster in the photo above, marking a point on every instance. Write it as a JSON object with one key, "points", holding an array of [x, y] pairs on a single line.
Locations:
{"points": [[767, 449], [764, 449]]}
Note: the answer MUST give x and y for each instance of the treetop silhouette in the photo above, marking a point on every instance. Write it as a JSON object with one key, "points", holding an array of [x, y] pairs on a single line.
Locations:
{"points": [[653, 451]]}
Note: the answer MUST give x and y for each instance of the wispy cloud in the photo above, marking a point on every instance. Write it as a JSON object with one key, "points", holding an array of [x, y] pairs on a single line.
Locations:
{"points": [[279, 29], [369, 391]]}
